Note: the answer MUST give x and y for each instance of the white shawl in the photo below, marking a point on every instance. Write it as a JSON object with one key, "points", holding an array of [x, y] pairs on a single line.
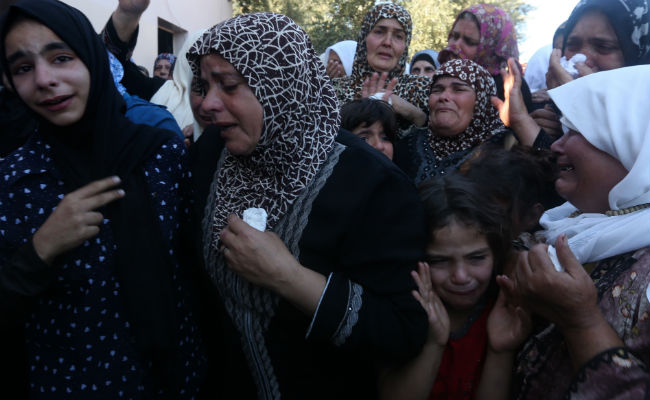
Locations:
{"points": [[610, 109], [175, 94], [346, 51]]}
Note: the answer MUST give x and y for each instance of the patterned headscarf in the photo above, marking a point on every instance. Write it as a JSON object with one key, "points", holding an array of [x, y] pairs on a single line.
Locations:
{"points": [[301, 117], [498, 38], [413, 89], [166, 56], [629, 18], [485, 120]]}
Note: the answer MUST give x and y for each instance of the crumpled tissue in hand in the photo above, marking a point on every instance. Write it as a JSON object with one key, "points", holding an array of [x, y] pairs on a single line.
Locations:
{"points": [[256, 217], [570, 65]]}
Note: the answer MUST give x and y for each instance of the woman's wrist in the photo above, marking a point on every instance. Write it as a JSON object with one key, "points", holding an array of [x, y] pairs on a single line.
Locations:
{"points": [[590, 337], [526, 129]]}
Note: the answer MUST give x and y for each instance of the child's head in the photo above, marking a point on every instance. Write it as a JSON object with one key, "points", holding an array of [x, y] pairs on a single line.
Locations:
{"points": [[373, 121], [521, 179], [468, 242]]}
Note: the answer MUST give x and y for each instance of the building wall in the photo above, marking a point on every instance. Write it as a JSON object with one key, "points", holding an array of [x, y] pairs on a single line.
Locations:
{"points": [[184, 16]]}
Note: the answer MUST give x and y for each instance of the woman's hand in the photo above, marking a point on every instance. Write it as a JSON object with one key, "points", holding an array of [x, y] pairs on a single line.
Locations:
{"points": [[556, 74], [508, 324], [263, 259], [75, 220], [540, 96], [566, 298], [259, 257], [439, 325], [512, 110], [334, 69], [377, 84], [548, 119], [188, 133]]}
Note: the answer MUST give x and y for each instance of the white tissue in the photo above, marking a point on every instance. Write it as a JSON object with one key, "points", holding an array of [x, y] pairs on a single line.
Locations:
{"points": [[256, 217], [570, 65], [553, 256], [379, 96]]}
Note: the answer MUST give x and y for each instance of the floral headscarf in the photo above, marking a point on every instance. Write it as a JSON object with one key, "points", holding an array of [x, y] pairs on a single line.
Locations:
{"points": [[414, 89], [498, 39], [629, 18], [301, 116], [166, 56], [485, 120]]}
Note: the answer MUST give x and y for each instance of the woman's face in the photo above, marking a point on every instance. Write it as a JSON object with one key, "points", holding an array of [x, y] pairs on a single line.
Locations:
{"points": [[587, 174], [231, 104], [594, 37], [385, 43], [451, 105], [465, 38], [374, 135], [163, 69], [48, 76], [423, 67], [202, 117], [461, 262]]}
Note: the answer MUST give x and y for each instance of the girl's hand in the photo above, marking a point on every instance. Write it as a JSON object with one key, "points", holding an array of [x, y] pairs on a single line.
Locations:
{"points": [[75, 219], [438, 318], [508, 324]]}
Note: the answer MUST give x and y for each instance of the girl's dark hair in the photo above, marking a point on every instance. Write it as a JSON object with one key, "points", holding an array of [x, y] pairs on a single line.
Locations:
{"points": [[454, 196], [366, 112], [517, 178]]}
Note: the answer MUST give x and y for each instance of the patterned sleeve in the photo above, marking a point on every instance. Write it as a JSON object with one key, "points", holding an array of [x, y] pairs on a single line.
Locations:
{"points": [[612, 374]]}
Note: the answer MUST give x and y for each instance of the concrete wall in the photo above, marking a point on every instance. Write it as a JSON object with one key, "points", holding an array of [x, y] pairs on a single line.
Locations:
{"points": [[185, 16]]}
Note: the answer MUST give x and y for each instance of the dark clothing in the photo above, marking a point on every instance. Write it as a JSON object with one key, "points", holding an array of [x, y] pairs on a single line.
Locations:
{"points": [[118, 294], [416, 158], [134, 81], [360, 224], [16, 122], [77, 330]]}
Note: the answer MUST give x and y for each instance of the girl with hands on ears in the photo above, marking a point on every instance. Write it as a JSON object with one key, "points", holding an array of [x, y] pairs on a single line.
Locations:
{"points": [[473, 332]]}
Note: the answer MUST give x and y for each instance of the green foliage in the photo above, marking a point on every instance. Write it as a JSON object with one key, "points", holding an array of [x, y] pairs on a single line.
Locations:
{"points": [[330, 21]]}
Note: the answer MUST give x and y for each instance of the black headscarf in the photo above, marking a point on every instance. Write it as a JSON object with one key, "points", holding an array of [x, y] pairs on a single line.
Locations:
{"points": [[629, 18], [101, 144]]}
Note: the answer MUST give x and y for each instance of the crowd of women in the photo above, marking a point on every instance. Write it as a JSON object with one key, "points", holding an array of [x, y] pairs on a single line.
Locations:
{"points": [[328, 226]]}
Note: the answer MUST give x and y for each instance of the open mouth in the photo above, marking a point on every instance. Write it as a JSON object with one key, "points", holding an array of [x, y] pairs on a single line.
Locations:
{"points": [[56, 103], [566, 168]]}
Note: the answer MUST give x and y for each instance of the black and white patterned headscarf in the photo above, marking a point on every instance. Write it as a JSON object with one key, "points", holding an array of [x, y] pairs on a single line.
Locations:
{"points": [[412, 88], [485, 120], [301, 118], [629, 18]]}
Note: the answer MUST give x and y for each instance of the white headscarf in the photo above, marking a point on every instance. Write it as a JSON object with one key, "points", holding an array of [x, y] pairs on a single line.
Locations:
{"points": [[346, 51], [535, 74], [610, 109], [175, 94]]}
